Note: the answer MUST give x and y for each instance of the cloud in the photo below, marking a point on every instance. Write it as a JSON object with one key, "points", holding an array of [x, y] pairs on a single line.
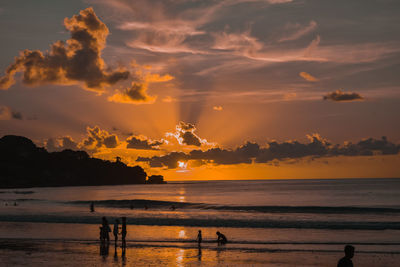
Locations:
{"points": [[78, 60], [243, 43], [275, 151], [339, 96], [289, 96], [217, 108], [185, 135], [167, 26], [169, 160], [142, 142], [308, 77], [6, 113], [312, 46], [59, 144], [137, 93], [98, 138], [165, 36], [168, 99], [298, 31]]}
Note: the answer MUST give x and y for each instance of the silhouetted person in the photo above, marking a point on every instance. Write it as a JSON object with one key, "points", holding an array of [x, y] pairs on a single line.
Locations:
{"points": [[105, 230], [123, 234], [115, 255], [116, 232], [173, 207], [91, 207], [346, 260], [199, 253], [199, 238], [221, 240], [104, 248]]}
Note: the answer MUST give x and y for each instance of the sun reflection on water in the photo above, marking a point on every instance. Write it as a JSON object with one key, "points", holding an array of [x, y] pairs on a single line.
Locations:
{"points": [[182, 197], [179, 257], [182, 234]]}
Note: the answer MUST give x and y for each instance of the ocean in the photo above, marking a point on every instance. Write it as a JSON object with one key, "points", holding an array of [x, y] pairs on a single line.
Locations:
{"points": [[262, 219]]}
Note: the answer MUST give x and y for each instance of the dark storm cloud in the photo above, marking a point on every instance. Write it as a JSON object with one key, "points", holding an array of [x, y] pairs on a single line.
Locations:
{"points": [[141, 142], [78, 60], [274, 151], [342, 96]]}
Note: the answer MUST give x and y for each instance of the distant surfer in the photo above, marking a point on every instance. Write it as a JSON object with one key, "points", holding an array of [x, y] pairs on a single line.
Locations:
{"points": [[91, 207], [221, 240]]}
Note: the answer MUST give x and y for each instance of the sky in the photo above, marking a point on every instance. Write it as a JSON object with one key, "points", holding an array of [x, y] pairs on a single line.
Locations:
{"points": [[206, 89]]}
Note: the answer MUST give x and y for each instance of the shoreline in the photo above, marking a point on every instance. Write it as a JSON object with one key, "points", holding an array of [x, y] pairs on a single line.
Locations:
{"points": [[226, 223], [18, 252]]}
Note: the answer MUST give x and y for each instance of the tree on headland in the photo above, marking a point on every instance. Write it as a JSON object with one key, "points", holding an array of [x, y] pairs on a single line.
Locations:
{"points": [[155, 179], [23, 164]]}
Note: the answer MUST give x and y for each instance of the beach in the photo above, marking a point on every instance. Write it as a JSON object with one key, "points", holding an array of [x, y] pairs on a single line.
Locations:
{"points": [[54, 226], [42, 244]]}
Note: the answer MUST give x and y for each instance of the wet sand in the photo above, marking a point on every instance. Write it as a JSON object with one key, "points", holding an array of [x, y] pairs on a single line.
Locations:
{"points": [[22, 252], [59, 244]]}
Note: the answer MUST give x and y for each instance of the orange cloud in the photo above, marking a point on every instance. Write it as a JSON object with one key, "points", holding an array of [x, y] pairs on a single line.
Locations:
{"points": [[142, 142], [308, 77], [98, 138], [78, 60], [168, 99], [137, 93], [217, 108]]}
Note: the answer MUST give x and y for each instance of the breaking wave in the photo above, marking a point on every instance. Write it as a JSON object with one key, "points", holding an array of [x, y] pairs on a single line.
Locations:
{"points": [[157, 204]]}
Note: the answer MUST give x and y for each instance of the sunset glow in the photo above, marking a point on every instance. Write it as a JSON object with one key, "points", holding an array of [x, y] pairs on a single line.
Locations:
{"points": [[200, 133], [190, 92]]}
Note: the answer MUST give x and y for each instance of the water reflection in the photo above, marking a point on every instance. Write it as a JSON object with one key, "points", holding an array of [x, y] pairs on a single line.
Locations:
{"points": [[179, 257], [181, 197], [199, 253], [115, 255], [104, 249]]}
